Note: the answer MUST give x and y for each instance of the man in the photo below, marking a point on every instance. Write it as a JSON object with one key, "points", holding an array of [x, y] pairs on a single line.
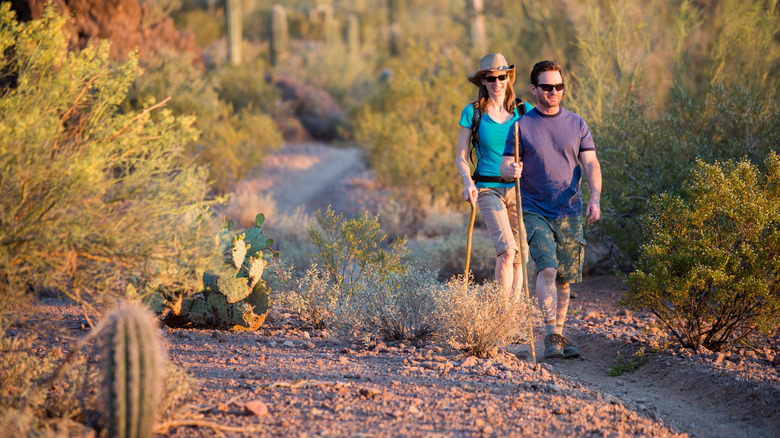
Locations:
{"points": [[553, 143]]}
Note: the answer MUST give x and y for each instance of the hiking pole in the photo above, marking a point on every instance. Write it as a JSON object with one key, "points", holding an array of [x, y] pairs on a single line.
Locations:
{"points": [[468, 242], [522, 236]]}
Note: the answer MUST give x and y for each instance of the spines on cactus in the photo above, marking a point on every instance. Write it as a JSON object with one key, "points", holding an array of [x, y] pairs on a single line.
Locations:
{"points": [[132, 367]]}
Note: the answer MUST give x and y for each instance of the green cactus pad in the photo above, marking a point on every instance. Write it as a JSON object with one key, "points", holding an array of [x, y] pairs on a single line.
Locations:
{"points": [[219, 307], [259, 299], [155, 302], [259, 220], [232, 288], [256, 238], [199, 311]]}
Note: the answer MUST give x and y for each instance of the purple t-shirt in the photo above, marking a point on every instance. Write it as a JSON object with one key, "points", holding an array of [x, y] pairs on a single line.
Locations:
{"points": [[550, 146]]}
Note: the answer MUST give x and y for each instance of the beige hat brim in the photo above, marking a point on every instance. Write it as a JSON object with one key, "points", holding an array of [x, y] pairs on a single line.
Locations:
{"points": [[475, 78]]}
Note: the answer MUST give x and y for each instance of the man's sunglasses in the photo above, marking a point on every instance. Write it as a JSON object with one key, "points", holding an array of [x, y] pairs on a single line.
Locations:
{"points": [[495, 78], [549, 87]]}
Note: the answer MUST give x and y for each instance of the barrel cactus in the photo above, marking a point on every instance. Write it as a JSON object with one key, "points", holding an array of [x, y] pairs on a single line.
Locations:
{"points": [[132, 371]]}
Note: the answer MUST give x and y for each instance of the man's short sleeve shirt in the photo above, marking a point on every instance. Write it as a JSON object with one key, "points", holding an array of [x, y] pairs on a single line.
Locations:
{"points": [[550, 146]]}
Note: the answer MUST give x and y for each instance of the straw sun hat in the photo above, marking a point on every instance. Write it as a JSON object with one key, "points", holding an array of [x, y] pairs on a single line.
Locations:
{"points": [[494, 62]]}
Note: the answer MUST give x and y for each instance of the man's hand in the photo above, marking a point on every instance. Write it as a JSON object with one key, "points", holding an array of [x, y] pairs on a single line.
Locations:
{"points": [[511, 170], [593, 211]]}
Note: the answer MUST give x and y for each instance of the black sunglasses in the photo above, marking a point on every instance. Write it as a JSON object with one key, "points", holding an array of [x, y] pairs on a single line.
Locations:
{"points": [[495, 78], [549, 87]]}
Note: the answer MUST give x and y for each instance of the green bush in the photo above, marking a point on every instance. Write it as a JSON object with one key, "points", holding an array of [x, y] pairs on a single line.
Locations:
{"points": [[88, 191], [410, 126], [232, 142], [710, 269], [348, 248], [643, 153]]}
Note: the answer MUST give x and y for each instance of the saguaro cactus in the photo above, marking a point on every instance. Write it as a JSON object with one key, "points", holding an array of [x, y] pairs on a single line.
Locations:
{"points": [[352, 35], [233, 25], [476, 9], [278, 34], [132, 370]]}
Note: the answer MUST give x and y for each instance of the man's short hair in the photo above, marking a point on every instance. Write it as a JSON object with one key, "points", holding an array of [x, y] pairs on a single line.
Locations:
{"points": [[543, 66]]}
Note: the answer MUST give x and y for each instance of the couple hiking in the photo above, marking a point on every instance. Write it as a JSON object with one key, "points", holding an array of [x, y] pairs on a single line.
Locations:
{"points": [[552, 143]]}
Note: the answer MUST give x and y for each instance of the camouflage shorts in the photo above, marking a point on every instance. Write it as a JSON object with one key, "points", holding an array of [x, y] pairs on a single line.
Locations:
{"points": [[556, 243]]}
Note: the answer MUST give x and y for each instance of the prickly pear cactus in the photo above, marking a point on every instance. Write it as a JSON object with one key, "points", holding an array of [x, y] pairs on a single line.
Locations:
{"points": [[132, 367], [233, 294]]}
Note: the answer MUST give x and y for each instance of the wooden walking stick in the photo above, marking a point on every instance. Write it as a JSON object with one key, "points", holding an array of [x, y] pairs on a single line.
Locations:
{"points": [[523, 242], [468, 242]]}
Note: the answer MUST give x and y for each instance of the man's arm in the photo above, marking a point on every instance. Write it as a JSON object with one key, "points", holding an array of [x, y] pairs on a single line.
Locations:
{"points": [[593, 173]]}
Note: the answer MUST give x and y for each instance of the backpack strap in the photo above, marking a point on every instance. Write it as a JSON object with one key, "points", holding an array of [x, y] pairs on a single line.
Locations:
{"points": [[476, 118]]}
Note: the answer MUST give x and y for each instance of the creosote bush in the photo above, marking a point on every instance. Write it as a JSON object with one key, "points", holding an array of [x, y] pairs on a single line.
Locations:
{"points": [[88, 191], [478, 318], [710, 269]]}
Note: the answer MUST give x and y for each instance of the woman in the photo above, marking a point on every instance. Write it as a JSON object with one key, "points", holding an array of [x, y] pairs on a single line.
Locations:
{"points": [[494, 196]]}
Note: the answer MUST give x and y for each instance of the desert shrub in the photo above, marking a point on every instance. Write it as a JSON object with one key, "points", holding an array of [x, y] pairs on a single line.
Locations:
{"points": [[348, 248], [206, 27], [314, 296], [710, 269], [88, 191], [478, 318], [396, 306], [405, 149], [643, 154], [232, 142], [246, 86]]}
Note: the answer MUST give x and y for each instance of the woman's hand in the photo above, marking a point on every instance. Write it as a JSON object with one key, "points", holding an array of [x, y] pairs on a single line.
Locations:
{"points": [[469, 193]]}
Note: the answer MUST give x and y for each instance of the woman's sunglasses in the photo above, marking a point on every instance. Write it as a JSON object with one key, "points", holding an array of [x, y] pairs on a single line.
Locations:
{"points": [[549, 87], [495, 78]]}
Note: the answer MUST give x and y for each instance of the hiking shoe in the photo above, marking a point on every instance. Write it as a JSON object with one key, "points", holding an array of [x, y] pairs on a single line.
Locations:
{"points": [[569, 349], [573, 294], [553, 346]]}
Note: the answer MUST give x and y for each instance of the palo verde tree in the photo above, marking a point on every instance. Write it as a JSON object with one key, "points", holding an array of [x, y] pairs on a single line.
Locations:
{"points": [[89, 192], [710, 269]]}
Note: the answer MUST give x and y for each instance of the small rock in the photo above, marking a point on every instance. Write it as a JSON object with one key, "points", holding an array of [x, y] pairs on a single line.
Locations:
{"points": [[491, 371], [369, 392], [469, 362], [288, 344], [718, 357], [487, 430], [414, 410], [309, 345], [347, 351], [547, 366], [343, 360], [256, 408], [273, 316], [306, 335], [592, 315], [493, 352]]}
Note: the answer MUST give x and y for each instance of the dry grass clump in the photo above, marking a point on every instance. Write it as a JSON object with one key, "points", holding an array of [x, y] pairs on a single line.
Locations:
{"points": [[478, 318], [313, 296]]}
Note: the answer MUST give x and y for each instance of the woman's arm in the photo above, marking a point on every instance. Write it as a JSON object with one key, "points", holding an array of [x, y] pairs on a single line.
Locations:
{"points": [[469, 192]]}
